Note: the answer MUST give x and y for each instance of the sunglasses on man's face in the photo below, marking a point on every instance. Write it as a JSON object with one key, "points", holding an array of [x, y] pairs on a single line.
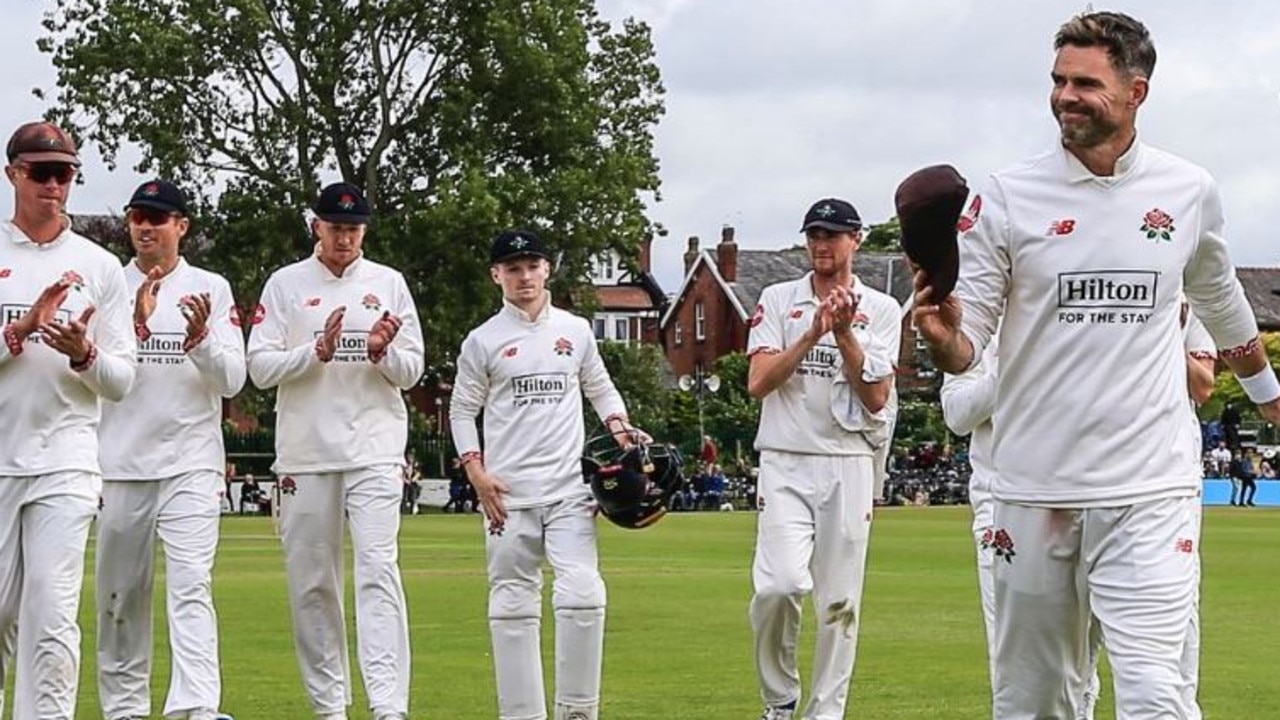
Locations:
{"points": [[149, 216], [43, 172]]}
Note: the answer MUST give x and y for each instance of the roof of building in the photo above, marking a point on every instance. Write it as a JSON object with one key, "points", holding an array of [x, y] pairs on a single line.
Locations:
{"points": [[624, 297], [1261, 285]]}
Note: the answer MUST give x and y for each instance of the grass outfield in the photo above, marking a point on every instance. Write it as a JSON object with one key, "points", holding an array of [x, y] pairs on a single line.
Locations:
{"points": [[678, 644]]}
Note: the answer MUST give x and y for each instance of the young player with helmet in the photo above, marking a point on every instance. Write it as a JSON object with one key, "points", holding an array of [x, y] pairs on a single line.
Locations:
{"points": [[526, 369]]}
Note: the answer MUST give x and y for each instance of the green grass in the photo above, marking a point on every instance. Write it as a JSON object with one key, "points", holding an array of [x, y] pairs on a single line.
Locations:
{"points": [[678, 643]]}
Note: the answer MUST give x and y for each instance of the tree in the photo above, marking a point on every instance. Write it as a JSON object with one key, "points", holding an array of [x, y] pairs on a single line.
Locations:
{"points": [[458, 117], [885, 237], [637, 373]]}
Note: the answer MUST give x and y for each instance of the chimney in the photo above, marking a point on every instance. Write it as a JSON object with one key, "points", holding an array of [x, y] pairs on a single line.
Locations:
{"points": [[727, 255], [691, 254], [645, 253]]}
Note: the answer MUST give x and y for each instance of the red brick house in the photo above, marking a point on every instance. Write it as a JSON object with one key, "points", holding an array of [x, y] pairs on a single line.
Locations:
{"points": [[707, 318]]}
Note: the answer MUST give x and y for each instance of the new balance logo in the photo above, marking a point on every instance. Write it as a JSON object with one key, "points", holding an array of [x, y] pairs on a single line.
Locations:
{"points": [[1061, 227]]}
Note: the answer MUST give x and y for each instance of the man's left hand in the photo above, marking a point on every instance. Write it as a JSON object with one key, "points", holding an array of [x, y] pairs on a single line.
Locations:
{"points": [[70, 339], [383, 332], [196, 309]]}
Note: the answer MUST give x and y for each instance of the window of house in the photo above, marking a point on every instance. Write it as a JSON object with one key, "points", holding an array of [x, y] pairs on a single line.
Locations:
{"points": [[699, 322], [679, 333], [599, 326], [622, 327]]}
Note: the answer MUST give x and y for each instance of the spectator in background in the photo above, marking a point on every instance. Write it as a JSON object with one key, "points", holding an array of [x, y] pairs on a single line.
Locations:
{"points": [[412, 486], [1268, 468], [458, 485], [716, 486], [1220, 459], [250, 494], [228, 478], [710, 452], [1230, 420], [1248, 478]]}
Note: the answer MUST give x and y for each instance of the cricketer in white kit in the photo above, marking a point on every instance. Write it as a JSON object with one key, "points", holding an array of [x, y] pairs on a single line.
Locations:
{"points": [[526, 369], [67, 345], [823, 350], [162, 466], [968, 401], [1085, 252], [338, 336]]}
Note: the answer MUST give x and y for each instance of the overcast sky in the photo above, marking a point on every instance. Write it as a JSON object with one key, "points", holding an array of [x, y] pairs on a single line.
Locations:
{"points": [[772, 104]]}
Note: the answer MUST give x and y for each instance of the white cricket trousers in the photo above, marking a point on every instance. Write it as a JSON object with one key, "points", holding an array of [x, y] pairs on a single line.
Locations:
{"points": [[44, 527], [313, 518], [1190, 651], [1133, 567], [184, 512], [812, 535], [564, 533]]}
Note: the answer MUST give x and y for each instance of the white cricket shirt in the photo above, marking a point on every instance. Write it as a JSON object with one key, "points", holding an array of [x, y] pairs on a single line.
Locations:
{"points": [[51, 410], [797, 416], [528, 376], [1089, 272], [170, 423], [347, 413]]}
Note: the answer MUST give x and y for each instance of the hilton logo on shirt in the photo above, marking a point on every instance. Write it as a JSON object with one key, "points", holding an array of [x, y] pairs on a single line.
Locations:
{"points": [[820, 361], [1108, 289], [162, 349], [1107, 297], [13, 312], [353, 346], [539, 389]]}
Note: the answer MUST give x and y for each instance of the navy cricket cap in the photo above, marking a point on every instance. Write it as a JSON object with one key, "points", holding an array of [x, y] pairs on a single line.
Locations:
{"points": [[511, 244], [342, 203], [160, 195], [832, 214]]}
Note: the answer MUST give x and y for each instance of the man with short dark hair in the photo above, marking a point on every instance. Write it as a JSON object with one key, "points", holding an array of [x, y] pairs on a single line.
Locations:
{"points": [[527, 369], [1085, 252], [162, 463], [67, 346], [338, 336], [822, 351]]}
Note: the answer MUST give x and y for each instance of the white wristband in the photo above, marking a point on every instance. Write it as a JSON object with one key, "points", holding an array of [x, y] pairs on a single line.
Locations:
{"points": [[1261, 388]]}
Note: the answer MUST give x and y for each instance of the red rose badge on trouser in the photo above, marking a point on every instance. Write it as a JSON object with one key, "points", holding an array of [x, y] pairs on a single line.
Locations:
{"points": [[1001, 542], [288, 486], [1158, 224]]}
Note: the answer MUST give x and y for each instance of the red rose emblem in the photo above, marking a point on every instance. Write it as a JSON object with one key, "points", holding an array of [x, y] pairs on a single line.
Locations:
{"points": [[5, 272], [511, 351], [73, 278], [288, 485], [796, 314], [564, 347], [1158, 224], [259, 314], [757, 317], [371, 302]]}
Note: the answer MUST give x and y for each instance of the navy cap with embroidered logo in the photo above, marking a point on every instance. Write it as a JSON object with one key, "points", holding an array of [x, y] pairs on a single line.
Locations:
{"points": [[41, 142], [832, 214], [343, 203], [159, 195], [511, 244]]}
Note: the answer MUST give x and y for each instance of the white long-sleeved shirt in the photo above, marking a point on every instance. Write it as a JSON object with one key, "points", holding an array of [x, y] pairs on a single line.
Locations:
{"points": [[528, 376], [347, 413], [52, 410], [1088, 272], [171, 421], [797, 417], [968, 401]]}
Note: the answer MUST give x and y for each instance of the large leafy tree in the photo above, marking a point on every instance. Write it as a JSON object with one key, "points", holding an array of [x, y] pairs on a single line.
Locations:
{"points": [[458, 117]]}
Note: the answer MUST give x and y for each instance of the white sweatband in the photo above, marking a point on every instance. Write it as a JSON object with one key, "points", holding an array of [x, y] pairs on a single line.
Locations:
{"points": [[1261, 388]]}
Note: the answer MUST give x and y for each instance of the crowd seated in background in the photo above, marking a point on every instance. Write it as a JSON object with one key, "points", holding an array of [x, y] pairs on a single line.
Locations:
{"points": [[927, 474]]}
